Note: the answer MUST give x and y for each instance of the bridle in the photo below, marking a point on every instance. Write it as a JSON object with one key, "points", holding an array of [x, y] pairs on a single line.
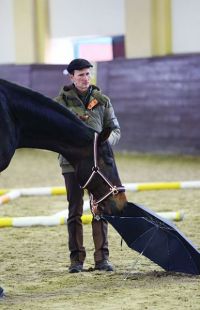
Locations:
{"points": [[113, 189]]}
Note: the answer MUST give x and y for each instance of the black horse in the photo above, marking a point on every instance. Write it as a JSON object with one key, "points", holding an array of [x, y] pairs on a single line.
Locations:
{"points": [[30, 120]]}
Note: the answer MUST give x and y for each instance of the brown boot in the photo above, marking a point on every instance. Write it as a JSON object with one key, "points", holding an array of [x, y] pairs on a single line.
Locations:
{"points": [[104, 265], [1, 292], [76, 267]]}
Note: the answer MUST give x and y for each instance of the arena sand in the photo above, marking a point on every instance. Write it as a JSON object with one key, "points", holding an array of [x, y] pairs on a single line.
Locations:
{"points": [[34, 261]]}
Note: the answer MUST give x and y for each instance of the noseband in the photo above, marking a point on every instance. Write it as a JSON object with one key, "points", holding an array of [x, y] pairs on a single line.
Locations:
{"points": [[113, 189]]}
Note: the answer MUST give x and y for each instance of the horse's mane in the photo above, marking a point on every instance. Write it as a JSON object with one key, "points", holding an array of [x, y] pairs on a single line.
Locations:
{"points": [[25, 90], [39, 98]]}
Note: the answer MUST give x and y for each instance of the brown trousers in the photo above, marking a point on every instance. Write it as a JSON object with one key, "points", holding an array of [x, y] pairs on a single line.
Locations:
{"points": [[75, 229]]}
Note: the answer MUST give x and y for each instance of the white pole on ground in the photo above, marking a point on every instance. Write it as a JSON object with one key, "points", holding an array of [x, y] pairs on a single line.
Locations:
{"points": [[60, 190], [9, 196]]}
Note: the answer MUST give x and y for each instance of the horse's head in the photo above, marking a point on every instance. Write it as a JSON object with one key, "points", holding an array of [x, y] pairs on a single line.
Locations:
{"points": [[98, 174]]}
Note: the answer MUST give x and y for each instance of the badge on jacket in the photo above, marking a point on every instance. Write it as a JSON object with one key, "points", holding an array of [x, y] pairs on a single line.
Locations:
{"points": [[92, 104]]}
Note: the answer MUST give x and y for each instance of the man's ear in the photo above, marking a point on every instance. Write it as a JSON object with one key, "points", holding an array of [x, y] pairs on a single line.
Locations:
{"points": [[103, 136]]}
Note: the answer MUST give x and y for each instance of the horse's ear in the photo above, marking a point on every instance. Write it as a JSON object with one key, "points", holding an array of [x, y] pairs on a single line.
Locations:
{"points": [[103, 136]]}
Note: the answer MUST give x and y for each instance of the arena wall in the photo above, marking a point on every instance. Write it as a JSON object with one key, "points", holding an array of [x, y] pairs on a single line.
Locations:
{"points": [[157, 100]]}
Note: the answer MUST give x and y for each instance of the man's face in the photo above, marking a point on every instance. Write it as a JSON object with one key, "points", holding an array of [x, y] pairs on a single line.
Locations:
{"points": [[81, 79]]}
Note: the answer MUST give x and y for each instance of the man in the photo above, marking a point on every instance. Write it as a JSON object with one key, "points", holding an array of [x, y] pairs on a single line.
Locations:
{"points": [[88, 103]]}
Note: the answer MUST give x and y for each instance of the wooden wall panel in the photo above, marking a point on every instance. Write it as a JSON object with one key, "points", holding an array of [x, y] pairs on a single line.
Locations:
{"points": [[16, 73], [157, 102], [47, 79]]}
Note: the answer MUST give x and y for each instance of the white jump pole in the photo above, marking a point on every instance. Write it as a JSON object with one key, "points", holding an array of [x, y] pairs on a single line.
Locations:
{"points": [[60, 190], [135, 187], [13, 194], [38, 191], [60, 218]]}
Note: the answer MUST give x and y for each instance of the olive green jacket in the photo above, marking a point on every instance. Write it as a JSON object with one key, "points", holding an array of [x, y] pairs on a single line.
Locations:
{"points": [[97, 114]]}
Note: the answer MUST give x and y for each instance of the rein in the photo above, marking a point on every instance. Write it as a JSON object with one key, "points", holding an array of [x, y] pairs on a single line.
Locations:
{"points": [[113, 189]]}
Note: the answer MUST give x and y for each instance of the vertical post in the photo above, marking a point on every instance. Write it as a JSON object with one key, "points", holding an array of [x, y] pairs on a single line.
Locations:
{"points": [[137, 28], [161, 27], [24, 28], [148, 28], [41, 29], [31, 30]]}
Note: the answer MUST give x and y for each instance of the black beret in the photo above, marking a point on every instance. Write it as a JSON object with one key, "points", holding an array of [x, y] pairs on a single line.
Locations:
{"points": [[78, 64]]}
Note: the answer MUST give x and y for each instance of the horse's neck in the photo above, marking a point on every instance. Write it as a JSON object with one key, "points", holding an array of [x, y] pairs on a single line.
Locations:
{"points": [[73, 153], [43, 123]]}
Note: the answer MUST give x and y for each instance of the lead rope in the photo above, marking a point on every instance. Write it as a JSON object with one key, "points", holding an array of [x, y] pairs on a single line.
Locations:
{"points": [[114, 190], [95, 167]]}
